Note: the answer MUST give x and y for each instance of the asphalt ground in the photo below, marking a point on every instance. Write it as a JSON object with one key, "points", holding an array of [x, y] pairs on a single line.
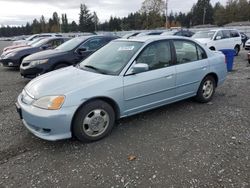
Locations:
{"points": [[185, 144]]}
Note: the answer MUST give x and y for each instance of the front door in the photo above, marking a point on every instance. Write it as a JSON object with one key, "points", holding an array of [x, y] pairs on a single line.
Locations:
{"points": [[154, 87]]}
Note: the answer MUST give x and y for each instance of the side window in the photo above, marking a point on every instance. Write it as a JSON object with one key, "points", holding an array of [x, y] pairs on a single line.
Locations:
{"points": [[219, 35], [234, 33], [201, 53], [94, 44], [226, 34], [185, 51], [57, 42], [156, 55]]}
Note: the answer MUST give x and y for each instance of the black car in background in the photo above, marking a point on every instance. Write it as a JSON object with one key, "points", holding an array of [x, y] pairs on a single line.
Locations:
{"points": [[13, 58], [69, 53]]}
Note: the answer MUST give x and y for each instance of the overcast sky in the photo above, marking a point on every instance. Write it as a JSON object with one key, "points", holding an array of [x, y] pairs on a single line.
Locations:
{"points": [[18, 12]]}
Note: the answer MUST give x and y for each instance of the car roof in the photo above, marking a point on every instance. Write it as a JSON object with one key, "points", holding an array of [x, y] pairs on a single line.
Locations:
{"points": [[152, 38]]}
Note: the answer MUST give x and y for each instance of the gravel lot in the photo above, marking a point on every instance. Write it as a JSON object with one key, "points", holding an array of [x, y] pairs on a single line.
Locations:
{"points": [[185, 144]]}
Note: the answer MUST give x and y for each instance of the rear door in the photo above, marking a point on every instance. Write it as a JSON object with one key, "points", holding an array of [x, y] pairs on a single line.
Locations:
{"points": [[154, 87], [191, 67]]}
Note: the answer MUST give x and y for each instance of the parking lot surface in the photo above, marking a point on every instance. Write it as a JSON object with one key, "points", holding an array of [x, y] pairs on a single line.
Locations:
{"points": [[185, 144]]}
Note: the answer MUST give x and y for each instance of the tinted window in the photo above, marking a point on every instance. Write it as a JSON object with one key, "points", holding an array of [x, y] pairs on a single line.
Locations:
{"points": [[155, 33], [234, 33], [186, 52], [94, 44], [156, 55]]}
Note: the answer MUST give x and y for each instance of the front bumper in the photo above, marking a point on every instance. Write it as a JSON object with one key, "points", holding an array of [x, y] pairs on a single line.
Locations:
{"points": [[247, 46], [46, 124], [10, 62], [28, 71]]}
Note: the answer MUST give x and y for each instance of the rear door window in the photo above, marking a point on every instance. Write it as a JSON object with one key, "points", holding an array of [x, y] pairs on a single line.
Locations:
{"points": [[187, 52]]}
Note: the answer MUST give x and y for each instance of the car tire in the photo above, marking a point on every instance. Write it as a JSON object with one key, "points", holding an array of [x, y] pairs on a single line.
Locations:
{"points": [[237, 50], [206, 90], [60, 66], [93, 121]]}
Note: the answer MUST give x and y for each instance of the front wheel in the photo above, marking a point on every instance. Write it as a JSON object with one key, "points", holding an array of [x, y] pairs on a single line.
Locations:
{"points": [[206, 90], [93, 121]]}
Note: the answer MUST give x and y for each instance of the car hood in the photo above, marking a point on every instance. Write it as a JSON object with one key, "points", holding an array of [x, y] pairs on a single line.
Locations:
{"points": [[203, 40], [45, 55], [63, 81], [14, 47]]}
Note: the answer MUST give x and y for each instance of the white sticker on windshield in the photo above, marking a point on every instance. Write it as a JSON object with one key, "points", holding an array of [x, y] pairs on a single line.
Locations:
{"points": [[126, 48]]}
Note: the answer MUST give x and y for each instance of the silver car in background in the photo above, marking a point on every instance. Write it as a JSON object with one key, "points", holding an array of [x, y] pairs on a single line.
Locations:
{"points": [[126, 77]]}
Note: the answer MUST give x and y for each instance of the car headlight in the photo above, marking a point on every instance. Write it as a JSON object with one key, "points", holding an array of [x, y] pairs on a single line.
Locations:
{"points": [[39, 62], [50, 102]]}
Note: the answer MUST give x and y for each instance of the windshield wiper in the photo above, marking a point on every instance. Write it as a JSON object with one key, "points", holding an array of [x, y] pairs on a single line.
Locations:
{"points": [[95, 69]]}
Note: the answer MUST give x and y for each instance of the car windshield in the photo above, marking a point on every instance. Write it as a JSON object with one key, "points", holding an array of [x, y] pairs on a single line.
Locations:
{"points": [[34, 41], [40, 43], [112, 58], [71, 44], [32, 37], [204, 35]]}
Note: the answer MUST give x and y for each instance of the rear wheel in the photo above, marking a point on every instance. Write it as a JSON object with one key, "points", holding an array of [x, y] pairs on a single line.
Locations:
{"points": [[93, 121], [206, 90]]}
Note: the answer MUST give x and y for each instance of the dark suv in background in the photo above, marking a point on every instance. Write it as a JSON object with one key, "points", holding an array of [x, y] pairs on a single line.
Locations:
{"points": [[69, 53]]}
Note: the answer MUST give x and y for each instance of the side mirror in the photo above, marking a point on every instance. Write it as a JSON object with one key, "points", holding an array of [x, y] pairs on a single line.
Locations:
{"points": [[218, 38], [140, 67], [81, 50]]}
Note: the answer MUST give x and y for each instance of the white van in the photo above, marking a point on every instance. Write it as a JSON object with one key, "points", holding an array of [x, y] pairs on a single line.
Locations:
{"points": [[219, 39]]}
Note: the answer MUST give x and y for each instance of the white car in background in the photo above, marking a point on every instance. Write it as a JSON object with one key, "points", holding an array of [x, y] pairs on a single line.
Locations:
{"points": [[33, 37], [219, 39], [247, 45]]}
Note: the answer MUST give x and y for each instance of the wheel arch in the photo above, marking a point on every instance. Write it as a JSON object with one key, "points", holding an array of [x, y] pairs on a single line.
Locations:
{"points": [[215, 76], [108, 100]]}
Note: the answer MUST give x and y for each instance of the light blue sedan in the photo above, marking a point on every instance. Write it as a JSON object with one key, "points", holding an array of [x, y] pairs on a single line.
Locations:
{"points": [[126, 77]]}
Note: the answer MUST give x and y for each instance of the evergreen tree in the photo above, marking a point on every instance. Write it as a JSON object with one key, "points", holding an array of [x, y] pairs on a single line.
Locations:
{"points": [[202, 13], [86, 23], [64, 25]]}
